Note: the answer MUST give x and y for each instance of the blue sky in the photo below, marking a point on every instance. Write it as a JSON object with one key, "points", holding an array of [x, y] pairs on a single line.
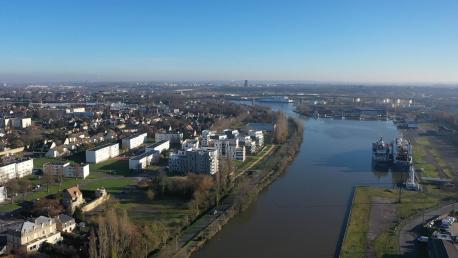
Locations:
{"points": [[345, 41]]}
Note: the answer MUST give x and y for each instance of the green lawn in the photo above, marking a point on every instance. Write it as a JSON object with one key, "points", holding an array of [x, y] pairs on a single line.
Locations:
{"points": [[112, 166], [39, 162], [112, 185], [386, 244], [419, 155]]}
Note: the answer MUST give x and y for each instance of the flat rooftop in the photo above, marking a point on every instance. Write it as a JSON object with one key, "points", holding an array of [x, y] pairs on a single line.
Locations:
{"points": [[102, 146], [156, 144], [144, 154]]}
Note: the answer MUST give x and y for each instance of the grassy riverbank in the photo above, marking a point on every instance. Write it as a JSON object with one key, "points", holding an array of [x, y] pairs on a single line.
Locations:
{"points": [[356, 242]]}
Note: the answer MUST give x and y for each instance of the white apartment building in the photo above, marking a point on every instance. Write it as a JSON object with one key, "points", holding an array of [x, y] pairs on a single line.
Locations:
{"points": [[144, 160], [206, 136], [231, 134], [134, 141], [3, 194], [201, 161], [30, 235], [66, 169], [16, 122], [169, 136], [190, 144], [258, 136], [75, 110], [7, 172], [250, 146], [24, 168], [102, 153], [240, 153], [159, 146], [227, 148], [16, 169]]}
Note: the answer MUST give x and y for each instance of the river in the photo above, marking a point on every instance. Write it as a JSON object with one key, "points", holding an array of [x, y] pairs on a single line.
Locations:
{"points": [[302, 213]]}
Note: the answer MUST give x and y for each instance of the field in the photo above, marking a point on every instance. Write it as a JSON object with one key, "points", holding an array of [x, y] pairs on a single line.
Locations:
{"points": [[112, 167], [426, 156], [356, 243]]}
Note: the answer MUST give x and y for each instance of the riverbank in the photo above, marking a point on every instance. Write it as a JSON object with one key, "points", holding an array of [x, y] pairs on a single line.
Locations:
{"points": [[371, 230], [246, 190]]}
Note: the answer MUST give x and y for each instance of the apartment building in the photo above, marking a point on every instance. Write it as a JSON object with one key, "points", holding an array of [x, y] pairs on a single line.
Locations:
{"points": [[75, 110], [230, 148], [102, 153], [144, 160], [134, 141], [201, 161], [3, 194], [258, 136], [30, 235], [16, 122], [206, 137], [174, 138], [190, 144], [16, 169], [66, 169], [159, 146]]}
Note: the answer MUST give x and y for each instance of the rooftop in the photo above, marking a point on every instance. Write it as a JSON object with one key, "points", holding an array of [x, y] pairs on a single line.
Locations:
{"points": [[102, 146]]}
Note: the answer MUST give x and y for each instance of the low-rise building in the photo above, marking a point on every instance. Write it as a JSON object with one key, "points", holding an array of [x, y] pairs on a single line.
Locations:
{"points": [[65, 223], [30, 235], [72, 198], [102, 153], [66, 169], [134, 141]]}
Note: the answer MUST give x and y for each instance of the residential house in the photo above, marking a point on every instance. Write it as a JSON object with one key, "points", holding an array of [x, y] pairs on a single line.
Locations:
{"points": [[30, 235], [72, 198], [65, 223]]}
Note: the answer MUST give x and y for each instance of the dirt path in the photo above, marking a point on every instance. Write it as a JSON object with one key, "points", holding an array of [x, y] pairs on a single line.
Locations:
{"points": [[381, 217]]}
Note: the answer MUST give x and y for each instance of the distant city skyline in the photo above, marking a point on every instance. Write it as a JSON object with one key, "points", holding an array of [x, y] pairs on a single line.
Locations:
{"points": [[357, 41]]}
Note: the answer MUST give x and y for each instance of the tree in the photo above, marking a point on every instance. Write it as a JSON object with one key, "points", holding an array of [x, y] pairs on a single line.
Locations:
{"points": [[114, 235], [223, 177], [47, 207], [281, 130], [150, 194]]}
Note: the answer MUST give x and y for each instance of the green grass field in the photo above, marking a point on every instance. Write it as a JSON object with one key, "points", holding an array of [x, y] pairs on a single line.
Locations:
{"points": [[112, 166], [386, 244], [420, 160], [39, 162], [112, 185]]}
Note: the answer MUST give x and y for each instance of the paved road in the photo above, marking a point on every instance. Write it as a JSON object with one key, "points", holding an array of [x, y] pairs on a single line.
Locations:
{"points": [[408, 233]]}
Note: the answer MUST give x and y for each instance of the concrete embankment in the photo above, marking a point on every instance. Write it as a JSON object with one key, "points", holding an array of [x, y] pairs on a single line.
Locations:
{"points": [[343, 232]]}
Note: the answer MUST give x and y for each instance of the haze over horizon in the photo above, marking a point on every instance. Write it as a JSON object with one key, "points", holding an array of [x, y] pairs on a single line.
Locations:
{"points": [[327, 41]]}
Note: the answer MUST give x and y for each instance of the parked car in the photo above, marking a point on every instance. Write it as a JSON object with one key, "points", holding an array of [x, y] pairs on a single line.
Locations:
{"points": [[423, 239]]}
